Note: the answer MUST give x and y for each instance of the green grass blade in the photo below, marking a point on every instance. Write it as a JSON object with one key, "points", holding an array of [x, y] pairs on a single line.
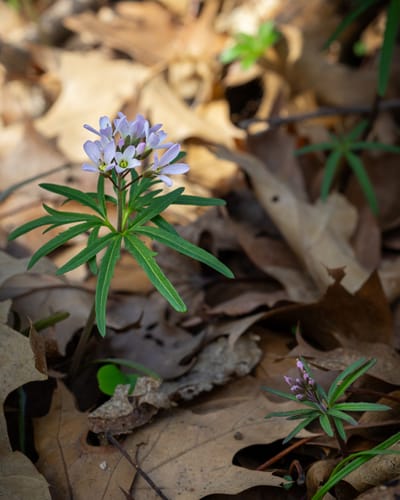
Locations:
{"points": [[74, 194], [362, 177], [29, 226], [293, 414], [86, 254], [186, 248], [329, 173], [389, 40], [349, 19], [347, 377], [145, 258], [352, 463], [106, 272], [59, 240]]}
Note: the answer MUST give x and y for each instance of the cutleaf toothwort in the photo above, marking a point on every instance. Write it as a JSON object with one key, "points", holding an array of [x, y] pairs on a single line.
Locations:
{"points": [[136, 159]]}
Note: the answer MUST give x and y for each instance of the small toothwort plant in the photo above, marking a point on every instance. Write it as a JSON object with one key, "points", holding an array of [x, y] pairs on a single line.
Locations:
{"points": [[136, 159], [326, 407]]}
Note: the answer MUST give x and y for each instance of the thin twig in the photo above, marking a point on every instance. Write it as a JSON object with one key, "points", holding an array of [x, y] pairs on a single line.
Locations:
{"points": [[275, 121], [140, 471], [284, 452]]}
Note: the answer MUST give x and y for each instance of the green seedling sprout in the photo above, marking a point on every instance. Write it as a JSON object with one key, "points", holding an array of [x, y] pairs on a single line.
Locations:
{"points": [[248, 49], [347, 147]]}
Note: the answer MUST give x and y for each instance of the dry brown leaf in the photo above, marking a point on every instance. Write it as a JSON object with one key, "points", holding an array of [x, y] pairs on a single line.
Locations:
{"points": [[364, 316], [79, 76], [386, 368], [38, 293], [310, 230], [192, 467], [71, 466], [201, 464], [161, 104], [378, 470], [20, 142], [19, 478]]}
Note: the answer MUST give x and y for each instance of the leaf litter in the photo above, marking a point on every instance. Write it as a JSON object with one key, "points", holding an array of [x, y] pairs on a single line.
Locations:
{"points": [[313, 279]]}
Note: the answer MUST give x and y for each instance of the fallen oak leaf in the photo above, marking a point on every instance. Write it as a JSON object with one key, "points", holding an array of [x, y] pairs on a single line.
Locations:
{"points": [[18, 476], [307, 228]]}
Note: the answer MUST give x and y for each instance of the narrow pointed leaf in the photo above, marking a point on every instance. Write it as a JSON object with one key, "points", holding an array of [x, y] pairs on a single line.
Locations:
{"points": [[353, 462], [297, 429], [356, 131], [329, 173], [336, 413], [288, 395], [59, 240], [182, 246], [61, 217], [326, 425], [92, 263], [320, 146], [158, 205], [293, 414], [199, 201], [375, 146], [362, 177], [363, 5], [347, 377], [361, 407], [101, 195], [340, 429], [105, 274], [159, 221], [29, 226], [389, 40], [145, 259], [73, 194], [87, 253]]}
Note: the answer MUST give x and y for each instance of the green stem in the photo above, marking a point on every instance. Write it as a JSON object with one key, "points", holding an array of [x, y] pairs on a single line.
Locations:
{"points": [[120, 204], [87, 331], [340, 441], [83, 341]]}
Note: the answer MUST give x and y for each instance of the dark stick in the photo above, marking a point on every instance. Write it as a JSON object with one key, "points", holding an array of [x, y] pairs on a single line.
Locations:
{"points": [[148, 480], [275, 121]]}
